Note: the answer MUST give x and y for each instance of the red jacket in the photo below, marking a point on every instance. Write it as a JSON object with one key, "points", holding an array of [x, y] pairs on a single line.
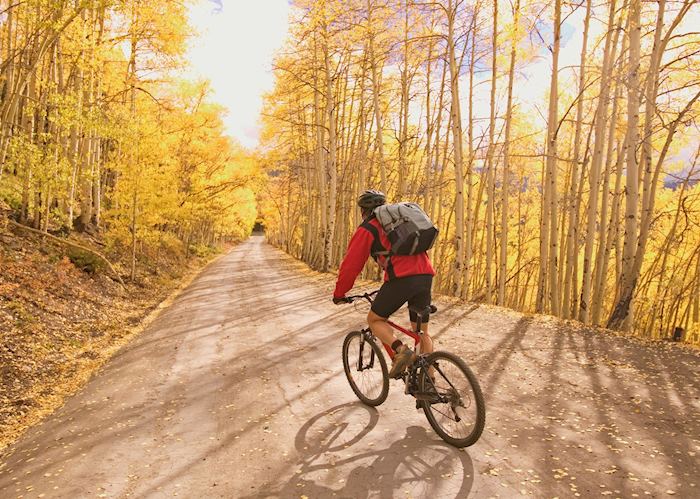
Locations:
{"points": [[362, 244]]}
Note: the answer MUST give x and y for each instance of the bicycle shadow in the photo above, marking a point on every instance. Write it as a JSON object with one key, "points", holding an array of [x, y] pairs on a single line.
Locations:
{"points": [[416, 464]]}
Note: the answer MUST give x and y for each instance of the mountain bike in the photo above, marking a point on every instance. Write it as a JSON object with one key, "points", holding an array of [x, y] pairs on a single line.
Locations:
{"points": [[442, 383]]}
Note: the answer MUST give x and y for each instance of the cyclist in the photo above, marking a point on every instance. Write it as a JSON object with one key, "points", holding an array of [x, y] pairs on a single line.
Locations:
{"points": [[406, 279]]}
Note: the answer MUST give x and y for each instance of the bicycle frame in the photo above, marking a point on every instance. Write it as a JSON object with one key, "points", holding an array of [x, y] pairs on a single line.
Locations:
{"points": [[416, 338], [416, 335], [420, 378]]}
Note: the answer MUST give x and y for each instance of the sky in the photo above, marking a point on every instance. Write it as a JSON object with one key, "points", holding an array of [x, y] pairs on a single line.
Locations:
{"points": [[234, 50], [237, 40]]}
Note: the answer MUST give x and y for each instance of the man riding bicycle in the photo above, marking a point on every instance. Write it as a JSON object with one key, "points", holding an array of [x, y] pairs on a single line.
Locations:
{"points": [[407, 278]]}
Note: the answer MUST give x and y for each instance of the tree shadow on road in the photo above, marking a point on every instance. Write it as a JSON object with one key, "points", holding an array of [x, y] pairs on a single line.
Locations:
{"points": [[334, 452], [597, 411], [493, 364]]}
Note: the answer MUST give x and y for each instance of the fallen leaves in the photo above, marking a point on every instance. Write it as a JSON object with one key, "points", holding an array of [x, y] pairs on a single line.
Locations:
{"points": [[57, 325]]}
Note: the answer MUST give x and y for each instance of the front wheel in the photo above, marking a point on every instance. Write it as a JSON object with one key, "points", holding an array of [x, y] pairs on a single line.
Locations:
{"points": [[456, 409], [365, 368]]}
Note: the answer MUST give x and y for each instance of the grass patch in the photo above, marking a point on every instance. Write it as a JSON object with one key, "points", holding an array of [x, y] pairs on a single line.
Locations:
{"points": [[87, 262]]}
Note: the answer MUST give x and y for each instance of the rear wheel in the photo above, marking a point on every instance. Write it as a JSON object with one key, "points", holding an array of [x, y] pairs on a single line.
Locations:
{"points": [[456, 410], [365, 368]]}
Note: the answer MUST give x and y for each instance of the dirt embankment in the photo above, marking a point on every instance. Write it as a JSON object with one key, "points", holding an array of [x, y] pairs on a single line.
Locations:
{"points": [[58, 323]]}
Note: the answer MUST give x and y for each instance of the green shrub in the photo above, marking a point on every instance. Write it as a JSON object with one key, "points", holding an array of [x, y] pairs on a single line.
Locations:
{"points": [[171, 245], [201, 250], [87, 262], [10, 192]]}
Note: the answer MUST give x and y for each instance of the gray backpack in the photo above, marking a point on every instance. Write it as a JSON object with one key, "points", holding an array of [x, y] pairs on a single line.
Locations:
{"points": [[408, 228]]}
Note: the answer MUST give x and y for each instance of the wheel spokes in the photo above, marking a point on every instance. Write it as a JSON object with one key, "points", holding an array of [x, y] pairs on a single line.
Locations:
{"points": [[366, 373], [453, 412]]}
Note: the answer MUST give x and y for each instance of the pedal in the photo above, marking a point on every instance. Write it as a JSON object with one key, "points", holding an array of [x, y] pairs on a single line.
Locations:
{"points": [[426, 397]]}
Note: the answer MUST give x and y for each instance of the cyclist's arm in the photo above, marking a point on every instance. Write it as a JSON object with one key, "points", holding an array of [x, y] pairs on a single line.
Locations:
{"points": [[359, 250]]}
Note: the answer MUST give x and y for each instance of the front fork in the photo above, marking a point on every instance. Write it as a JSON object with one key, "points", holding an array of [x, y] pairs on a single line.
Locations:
{"points": [[365, 337], [410, 377]]}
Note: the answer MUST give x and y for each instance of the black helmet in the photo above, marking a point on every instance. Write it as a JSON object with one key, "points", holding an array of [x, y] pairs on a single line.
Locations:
{"points": [[370, 199]]}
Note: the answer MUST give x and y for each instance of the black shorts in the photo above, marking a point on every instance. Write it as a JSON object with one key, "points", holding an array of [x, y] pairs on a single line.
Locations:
{"points": [[393, 294]]}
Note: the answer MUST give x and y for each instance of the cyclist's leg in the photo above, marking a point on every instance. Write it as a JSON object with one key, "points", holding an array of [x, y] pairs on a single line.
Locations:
{"points": [[380, 328], [387, 301], [420, 300], [426, 343]]}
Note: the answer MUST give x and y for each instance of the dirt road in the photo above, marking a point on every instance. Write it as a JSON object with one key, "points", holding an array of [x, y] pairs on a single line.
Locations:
{"points": [[237, 390]]}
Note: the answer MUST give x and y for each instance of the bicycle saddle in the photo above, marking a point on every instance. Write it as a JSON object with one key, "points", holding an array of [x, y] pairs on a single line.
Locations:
{"points": [[431, 309]]}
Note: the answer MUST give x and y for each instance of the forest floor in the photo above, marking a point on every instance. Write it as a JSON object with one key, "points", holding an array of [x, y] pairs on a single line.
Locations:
{"points": [[237, 390], [59, 324]]}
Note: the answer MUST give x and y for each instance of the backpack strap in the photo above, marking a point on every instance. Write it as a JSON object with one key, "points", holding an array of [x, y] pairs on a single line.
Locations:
{"points": [[378, 248]]}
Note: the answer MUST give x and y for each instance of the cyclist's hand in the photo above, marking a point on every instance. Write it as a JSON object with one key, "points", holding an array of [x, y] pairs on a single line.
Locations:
{"points": [[340, 300]]}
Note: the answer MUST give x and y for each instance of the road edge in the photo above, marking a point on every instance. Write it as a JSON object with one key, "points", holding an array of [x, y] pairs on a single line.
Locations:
{"points": [[63, 392]]}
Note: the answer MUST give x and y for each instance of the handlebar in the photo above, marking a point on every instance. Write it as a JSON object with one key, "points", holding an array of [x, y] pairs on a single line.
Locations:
{"points": [[431, 309], [366, 296]]}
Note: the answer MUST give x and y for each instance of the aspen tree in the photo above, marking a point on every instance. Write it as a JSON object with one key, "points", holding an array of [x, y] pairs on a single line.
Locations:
{"points": [[601, 118], [469, 239], [456, 122], [374, 73], [571, 254], [503, 273], [389, 71], [547, 282], [330, 166]]}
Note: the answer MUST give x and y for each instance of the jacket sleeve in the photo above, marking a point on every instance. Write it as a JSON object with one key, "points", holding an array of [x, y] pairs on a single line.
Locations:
{"points": [[359, 250]]}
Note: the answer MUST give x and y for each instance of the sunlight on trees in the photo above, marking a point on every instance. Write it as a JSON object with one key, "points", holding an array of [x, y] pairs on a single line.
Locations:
{"points": [[97, 134], [588, 208]]}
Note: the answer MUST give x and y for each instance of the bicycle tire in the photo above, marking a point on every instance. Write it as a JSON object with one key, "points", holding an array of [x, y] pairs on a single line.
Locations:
{"points": [[447, 389], [348, 362]]}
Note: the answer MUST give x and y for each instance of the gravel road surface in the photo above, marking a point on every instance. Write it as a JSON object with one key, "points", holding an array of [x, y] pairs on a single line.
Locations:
{"points": [[237, 390]]}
